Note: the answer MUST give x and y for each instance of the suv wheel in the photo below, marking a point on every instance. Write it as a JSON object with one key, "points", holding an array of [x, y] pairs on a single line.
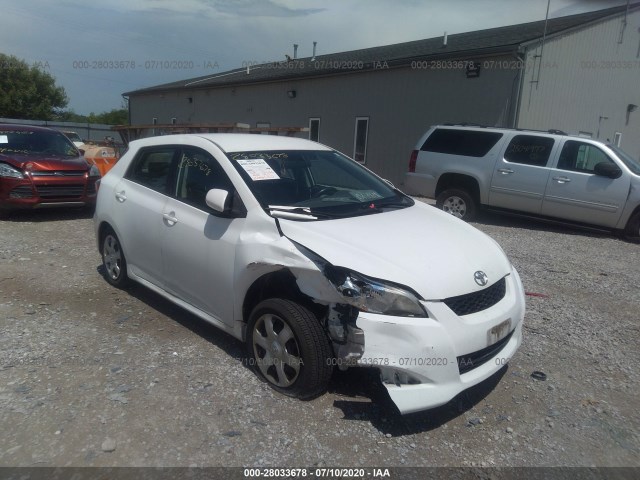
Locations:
{"points": [[458, 203], [632, 230], [113, 261], [289, 349]]}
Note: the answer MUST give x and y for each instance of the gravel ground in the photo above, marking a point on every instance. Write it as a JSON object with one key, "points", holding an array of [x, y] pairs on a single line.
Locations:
{"points": [[94, 376]]}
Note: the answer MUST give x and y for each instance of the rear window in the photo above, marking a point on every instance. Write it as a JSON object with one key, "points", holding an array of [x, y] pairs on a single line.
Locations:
{"points": [[529, 150], [469, 143]]}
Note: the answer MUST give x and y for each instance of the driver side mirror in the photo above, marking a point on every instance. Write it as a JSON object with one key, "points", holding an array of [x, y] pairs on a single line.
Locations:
{"points": [[607, 169]]}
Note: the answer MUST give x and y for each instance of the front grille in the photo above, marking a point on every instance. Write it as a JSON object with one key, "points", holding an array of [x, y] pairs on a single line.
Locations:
{"points": [[468, 362], [60, 191], [59, 173], [477, 301], [23, 191]]}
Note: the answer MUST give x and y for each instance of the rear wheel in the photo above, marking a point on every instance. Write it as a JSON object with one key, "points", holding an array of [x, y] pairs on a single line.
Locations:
{"points": [[458, 203], [289, 348], [113, 260]]}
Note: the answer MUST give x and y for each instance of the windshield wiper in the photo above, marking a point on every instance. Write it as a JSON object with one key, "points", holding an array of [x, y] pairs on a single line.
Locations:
{"points": [[295, 213]]}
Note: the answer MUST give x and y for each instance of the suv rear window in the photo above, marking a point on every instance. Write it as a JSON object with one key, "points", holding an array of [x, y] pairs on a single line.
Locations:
{"points": [[461, 142], [529, 150]]}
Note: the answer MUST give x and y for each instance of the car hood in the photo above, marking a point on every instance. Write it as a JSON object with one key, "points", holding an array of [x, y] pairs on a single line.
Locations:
{"points": [[420, 247], [41, 162]]}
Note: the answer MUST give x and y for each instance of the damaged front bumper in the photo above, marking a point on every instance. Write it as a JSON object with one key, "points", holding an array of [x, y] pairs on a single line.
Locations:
{"points": [[426, 362]]}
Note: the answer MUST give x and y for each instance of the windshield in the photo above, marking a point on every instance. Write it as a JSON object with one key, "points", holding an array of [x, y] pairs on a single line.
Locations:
{"points": [[315, 184], [30, 142], [73, 136], [628, 160]]}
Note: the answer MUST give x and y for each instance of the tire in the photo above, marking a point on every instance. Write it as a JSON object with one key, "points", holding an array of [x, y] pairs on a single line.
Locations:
{"points": [[458, 203], [289, 349], [632, 230], [113, 260]]}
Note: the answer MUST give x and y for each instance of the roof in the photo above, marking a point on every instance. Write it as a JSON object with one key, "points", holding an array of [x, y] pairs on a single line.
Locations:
{"points": [[493, 40], [237, 142]]}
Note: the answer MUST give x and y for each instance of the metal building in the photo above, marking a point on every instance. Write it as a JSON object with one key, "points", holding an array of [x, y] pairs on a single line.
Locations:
{"points": [[373, 104]]}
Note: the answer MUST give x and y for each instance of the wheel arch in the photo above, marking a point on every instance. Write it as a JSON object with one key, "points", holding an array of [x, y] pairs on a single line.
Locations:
{"points": [[278, 284], [461, 181]]}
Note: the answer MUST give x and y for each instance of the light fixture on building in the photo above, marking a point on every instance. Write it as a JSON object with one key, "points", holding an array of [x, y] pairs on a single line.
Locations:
{"points": [[291, 94], [473, 70], [630, 108], [190, 99]]}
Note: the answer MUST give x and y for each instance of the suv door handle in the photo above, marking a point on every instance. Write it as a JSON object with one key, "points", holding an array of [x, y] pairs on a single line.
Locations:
{"points": [[562, 179], [120, 196], [170, 219], [505, 171]]}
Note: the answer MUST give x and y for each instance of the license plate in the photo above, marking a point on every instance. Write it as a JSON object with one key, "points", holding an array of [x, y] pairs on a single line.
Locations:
{"points": [[498, 332]]}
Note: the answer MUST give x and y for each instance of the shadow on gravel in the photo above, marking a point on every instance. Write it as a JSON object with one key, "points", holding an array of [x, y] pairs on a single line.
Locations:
{"points": [[360, 395], [47, 215], [233, 347], [382, 413], [506, 219]]}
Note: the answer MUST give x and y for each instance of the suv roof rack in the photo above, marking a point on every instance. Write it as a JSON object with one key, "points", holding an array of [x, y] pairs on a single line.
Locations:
{"points": [[552, 131]]}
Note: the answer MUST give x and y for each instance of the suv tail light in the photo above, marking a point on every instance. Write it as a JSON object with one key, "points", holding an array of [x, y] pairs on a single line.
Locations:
{"points": [[412, 161]]}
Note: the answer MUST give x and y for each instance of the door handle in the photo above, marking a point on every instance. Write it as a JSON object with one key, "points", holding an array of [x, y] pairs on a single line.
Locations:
{"points": [[505, 171], [170, 219], [562, 179], [120, 196]]}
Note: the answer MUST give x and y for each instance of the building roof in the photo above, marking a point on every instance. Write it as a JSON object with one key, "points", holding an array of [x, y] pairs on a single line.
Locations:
{"points": [[493, 40]]}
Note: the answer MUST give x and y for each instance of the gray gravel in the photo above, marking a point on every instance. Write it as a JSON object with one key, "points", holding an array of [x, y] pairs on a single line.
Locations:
{"points": [[93, 376]]}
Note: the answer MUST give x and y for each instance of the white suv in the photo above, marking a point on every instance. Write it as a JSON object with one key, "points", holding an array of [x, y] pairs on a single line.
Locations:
{"points": [[313, 261], [547, 174]]}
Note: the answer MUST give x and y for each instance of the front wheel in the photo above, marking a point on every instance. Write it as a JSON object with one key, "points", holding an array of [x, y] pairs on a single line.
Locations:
{"points": [[458, 203], [289, 349], [632, 230]]}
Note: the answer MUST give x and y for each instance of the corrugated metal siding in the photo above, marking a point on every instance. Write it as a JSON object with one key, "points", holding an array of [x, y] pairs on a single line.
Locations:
{"points": [[400, 103], [586, 75]]}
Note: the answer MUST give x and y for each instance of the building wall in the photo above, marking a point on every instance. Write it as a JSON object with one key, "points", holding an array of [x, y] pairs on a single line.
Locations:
{"points": [[586, 83], [401, 104]]}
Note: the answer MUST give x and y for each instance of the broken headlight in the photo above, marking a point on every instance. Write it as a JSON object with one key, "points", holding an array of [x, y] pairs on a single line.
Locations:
{"points": [[376, 296]]}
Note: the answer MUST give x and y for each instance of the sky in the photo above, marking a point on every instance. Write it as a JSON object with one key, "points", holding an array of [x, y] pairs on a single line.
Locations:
{"points": [[97, 50]]}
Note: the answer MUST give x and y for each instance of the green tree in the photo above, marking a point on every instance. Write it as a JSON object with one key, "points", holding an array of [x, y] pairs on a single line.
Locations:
{"points": [[116, 116], [28, 92]]}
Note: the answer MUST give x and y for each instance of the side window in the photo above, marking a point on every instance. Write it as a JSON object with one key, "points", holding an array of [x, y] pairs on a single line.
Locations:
{"points": [[529, 150], [581, 157], [152, 168], [198, 173], [469, 143]]}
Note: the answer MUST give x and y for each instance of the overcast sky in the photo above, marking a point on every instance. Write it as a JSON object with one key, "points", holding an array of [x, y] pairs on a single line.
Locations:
{"points": [[99, 49]]}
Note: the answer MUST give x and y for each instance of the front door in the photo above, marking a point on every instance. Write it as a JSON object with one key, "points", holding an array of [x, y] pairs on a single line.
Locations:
{"points": [[199, 245], [574, 192]]}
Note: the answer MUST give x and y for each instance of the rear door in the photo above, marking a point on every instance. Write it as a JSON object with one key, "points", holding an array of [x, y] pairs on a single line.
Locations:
{"points": [[140, 199], [520, 175], [574, 192]]}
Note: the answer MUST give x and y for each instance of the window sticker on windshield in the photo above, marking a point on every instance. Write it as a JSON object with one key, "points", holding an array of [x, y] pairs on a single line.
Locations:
{"points": [[365, 195], [258, 169], [4, 139]]}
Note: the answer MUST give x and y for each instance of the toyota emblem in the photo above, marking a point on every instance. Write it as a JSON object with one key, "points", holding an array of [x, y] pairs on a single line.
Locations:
{"points": [[481, 278]]}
